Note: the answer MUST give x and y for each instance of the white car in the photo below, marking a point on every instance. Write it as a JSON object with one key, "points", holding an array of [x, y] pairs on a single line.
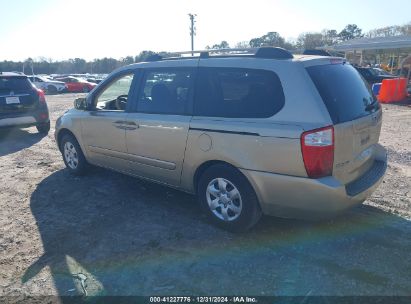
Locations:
{"points": [[47, 85]]}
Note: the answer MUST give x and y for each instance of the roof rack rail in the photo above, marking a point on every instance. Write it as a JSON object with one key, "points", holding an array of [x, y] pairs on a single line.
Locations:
{"points": [[261, 52]]}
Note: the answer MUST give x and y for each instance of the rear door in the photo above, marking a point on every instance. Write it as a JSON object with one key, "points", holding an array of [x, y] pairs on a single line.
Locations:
{"points": [[157, 136], [356, 115], [17, 95]]}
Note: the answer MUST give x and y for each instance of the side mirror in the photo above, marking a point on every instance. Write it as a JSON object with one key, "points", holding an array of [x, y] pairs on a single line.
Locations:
{"points": [[80, 103]]}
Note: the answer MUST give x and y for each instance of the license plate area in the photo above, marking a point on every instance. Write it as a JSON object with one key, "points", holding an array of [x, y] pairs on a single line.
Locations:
{"points": [[12, 100]]}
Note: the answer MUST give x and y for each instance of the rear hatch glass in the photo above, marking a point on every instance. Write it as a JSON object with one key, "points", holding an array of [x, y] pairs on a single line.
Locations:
{"points": [[16, 94], [344, 92], [356, 117]]}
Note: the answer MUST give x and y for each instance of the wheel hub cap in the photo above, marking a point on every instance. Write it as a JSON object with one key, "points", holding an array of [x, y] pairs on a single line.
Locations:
{"points": [[70, 154], [224, 199]]}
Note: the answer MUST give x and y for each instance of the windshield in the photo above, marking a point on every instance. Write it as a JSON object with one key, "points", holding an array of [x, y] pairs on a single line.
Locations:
{"points": [[344, 92]]}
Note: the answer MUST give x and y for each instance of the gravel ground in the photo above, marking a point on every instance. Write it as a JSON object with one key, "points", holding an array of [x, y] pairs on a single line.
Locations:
{"points": [[128, 237]]}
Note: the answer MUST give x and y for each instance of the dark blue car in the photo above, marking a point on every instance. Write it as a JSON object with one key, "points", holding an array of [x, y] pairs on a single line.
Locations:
{"points": [[22, 104]]}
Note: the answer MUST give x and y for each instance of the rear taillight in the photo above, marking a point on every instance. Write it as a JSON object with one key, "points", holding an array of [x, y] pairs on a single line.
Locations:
{"points": [[318, 151], [42, 97]]}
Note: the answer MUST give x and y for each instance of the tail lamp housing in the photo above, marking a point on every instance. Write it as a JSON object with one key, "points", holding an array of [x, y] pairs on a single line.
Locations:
{"points": [[42, 97], [317, 148]]}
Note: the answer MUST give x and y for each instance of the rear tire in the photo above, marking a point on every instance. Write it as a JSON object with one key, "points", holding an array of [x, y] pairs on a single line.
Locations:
{"points": [[228, 198], [73, 155], [43, 128]]}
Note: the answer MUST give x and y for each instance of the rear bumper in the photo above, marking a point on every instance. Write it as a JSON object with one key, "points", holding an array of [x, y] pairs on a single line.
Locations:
{"points": [[305, 198], [25, 119]]}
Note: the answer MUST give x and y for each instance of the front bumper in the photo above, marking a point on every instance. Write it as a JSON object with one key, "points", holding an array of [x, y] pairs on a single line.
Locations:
{"points": [[305, 198]]}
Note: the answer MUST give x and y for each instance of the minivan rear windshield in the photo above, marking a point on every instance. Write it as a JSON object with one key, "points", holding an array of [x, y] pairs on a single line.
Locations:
{"points": [[344, 92], [14, 83]]}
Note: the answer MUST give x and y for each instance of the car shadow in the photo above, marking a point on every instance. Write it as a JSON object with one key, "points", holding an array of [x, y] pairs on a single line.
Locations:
{"points": [[121, 236], [13, 140]]}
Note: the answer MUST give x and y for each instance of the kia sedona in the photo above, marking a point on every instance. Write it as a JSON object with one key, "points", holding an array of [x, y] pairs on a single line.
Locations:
{"points": [[262, 132]]}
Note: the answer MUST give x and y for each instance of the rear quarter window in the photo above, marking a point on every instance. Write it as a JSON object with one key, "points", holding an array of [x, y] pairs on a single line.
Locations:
{"points": [[343, 91], [237, 93]]}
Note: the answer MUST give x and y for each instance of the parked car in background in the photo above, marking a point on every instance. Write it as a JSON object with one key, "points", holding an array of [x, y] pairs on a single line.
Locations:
{"points": [[250, 135], [94, 79], [48, 85], [382, 72], [75, 84], [22, 104], [371, 75]]}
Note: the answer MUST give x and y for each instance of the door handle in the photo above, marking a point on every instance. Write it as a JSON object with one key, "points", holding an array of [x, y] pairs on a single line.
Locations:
{"points": [[130, 123], [126, 125]]}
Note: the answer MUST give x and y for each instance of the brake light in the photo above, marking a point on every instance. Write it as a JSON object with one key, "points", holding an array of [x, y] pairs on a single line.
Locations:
{"points": [[42, 97], [317, 147], [337, 61]]}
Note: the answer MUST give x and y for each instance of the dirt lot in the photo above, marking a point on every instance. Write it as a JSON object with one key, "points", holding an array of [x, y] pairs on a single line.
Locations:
{"points": [[128, 237]]}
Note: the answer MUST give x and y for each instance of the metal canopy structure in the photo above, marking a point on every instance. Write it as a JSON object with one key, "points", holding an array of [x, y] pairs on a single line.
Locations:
{"points": [[406, 66], [379, 43]]}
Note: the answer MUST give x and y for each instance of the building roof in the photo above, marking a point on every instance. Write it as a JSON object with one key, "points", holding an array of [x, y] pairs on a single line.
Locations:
{"points": [[379, 43]]}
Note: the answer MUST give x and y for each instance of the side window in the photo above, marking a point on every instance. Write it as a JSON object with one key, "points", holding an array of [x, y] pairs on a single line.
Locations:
{"points": [[114, 96], [166, 91], [238, 93]]}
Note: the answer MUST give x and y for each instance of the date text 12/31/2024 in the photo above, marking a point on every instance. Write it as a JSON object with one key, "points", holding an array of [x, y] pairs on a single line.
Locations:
{"points": [[203, 299]]}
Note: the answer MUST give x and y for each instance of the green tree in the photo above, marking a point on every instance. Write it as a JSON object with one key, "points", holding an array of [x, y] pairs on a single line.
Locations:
{"points": [[310, 40], [127, 60], [351, 31], [143, 56], [330, 37], [222, 45], [242, 45], [269, 39], [79, 65]]}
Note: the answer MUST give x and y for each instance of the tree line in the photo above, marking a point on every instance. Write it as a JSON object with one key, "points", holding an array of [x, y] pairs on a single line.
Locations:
{"points": [[310, 40]]}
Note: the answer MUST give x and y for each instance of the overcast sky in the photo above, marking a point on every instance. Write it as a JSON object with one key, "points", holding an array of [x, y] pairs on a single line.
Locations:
{"points": [[91, 29]]}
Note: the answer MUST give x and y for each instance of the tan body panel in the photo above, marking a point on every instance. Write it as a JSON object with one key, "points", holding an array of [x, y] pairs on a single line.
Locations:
{"points": [[104, 139], [242, 150], [156, 148], [355, 150]]}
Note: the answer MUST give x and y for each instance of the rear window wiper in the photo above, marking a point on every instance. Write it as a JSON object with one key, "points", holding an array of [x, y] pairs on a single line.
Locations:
{"points": [[371, 106]]}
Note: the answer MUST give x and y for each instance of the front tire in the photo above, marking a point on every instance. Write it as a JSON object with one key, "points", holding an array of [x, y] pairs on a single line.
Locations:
{"points": [[43, 128], [73, 155], [228, 198]]}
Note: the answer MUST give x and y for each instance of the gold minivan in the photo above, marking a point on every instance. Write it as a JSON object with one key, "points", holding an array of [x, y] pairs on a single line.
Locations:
{"points": [[260, 132]]}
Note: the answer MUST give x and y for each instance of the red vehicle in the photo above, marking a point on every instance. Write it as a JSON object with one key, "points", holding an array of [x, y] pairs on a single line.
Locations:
{"points": [[77, 84]]}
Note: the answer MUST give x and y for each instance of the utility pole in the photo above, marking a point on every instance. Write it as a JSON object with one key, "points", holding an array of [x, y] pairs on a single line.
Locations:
{"points": [[192, 31]]}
